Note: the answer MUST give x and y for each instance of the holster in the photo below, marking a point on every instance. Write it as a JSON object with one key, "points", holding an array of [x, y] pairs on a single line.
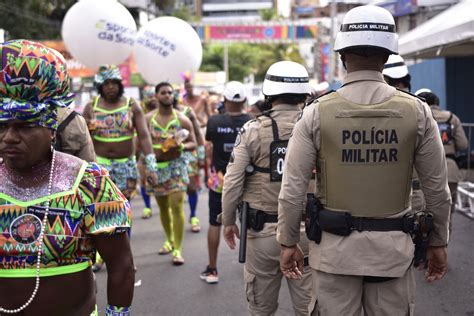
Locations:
{"points": [[258, 218], [421, 236], [312, 226]]}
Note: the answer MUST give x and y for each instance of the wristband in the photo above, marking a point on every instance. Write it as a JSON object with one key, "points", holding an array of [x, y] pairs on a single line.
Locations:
{"points": [[181, 147], [201, 152], [150, 162], [117, 311]]}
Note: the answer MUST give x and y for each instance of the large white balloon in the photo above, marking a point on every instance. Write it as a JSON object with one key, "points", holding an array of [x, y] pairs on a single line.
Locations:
{"points": [[98, 32], [165, 48]]}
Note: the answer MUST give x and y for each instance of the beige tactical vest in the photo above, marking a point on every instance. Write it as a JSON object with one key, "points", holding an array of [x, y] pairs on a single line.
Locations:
{"points": [[366, 156], [259, 191], [442, 117]]}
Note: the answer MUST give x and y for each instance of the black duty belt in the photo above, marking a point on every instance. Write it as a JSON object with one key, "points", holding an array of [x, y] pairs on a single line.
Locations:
{"points": [[377, 224], [415, 185], [343, 223], [267, 218]]}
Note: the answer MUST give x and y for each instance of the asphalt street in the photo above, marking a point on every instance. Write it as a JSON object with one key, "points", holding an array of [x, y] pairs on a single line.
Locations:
{"points": [[164, 289]]}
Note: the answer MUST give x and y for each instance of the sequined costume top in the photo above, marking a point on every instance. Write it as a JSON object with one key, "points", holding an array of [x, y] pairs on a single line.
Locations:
{"points": [[112, 125], [159, 134], [84, 203]]}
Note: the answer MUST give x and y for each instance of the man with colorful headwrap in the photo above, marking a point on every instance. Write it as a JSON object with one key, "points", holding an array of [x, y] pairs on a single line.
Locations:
{"points": [[56, 210], [113, 120]]}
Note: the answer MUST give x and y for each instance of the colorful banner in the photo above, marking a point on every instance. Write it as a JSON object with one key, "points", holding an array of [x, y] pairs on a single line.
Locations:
{"points": [[256, 33]]}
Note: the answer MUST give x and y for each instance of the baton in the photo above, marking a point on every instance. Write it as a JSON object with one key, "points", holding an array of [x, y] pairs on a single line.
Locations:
{"points": [[243, 232]]}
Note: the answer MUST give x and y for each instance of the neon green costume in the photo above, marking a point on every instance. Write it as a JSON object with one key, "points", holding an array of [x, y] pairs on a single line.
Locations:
{"points": [[172, 183]]}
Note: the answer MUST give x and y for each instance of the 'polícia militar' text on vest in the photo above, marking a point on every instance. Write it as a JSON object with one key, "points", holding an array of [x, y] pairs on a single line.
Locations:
{"points": [[369, 137]]}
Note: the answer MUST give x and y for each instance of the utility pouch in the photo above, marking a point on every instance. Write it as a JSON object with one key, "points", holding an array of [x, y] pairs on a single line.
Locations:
{"points": [[423, 228], [256, 219], [312, 227], [337, 223], [277, 159], [277, 153]]}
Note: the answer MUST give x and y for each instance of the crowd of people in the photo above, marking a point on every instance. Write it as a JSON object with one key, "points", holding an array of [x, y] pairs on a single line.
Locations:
{"points": [[335, 190]]}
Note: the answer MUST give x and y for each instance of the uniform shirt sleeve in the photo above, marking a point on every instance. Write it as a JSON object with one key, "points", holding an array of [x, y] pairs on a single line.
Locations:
{"points": [[299, 163], [430, 164], [107, 211], [460, 139], [77, 141], [234, 178]]}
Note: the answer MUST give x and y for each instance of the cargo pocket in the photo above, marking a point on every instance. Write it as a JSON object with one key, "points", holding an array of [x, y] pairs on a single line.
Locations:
{"points": [[249, 280]]}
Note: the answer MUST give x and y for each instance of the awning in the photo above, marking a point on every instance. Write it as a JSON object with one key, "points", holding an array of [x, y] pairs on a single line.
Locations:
{"points": [[449, 34]]}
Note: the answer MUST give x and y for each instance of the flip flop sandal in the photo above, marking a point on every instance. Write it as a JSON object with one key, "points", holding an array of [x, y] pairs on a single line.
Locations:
{"points": [[166, 248], [177, 258]]}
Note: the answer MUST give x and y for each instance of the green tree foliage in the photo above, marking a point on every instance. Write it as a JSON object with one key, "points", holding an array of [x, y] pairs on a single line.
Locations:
{"points": [[165, 5], [268, 14], [246, 59], [33, 19]]}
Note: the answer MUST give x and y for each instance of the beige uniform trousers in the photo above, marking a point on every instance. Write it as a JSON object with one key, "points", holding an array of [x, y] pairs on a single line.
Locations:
{"points": [[263, 277], [349, 295], [417, 201]]}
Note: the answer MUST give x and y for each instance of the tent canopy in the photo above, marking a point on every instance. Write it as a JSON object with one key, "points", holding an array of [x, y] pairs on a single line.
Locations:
{"points": [[449, 34]]}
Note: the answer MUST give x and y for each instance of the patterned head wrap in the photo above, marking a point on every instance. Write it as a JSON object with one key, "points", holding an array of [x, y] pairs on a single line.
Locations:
{"points": [[107, 72], [33, 83]]}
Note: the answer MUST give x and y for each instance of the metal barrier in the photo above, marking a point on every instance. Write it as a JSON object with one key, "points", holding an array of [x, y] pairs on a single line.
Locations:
{"points": [[469, 130], [465, 199], [465, 194]]}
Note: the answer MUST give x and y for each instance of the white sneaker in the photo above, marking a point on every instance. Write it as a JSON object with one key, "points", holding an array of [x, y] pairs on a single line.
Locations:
{"points": [[210, 276]]}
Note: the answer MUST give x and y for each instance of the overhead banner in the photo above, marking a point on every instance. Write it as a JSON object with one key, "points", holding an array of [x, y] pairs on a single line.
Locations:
{"points": [[257, 33]]}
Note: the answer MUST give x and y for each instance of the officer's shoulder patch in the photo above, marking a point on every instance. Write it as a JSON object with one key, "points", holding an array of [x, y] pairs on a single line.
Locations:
{"points": [[411, 94], [238, 139]]}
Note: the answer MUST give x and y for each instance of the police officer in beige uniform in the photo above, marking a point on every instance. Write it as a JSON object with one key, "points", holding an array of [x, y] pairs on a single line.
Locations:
{"points": [[260, 149], [72, 136], [453, 137], [364, 139], [395, 73]]}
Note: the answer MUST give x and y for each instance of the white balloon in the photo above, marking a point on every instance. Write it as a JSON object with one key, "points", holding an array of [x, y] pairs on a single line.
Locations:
{"points": [[98, 32], [165, 48]]}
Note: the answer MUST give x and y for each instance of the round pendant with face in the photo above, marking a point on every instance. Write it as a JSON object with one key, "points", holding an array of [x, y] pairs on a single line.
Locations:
{"points": [[26, 229]]}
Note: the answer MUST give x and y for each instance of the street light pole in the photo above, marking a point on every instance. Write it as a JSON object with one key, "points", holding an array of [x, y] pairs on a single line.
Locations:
{"points": [[226, 62]]}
